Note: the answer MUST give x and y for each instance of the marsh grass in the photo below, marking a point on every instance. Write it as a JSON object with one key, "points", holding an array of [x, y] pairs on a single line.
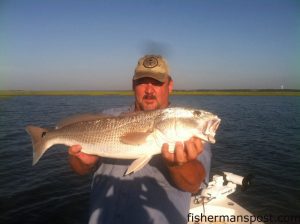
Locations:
{"points": [[239, 93], [63, 93], [4, 94]]}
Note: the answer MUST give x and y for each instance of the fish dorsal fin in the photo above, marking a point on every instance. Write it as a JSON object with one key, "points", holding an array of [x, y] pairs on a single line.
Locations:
{"points": [[135, 138], [79, 118]]}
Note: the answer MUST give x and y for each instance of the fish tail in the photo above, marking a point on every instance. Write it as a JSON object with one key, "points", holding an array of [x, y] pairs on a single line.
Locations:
{"points": [[38, 143]]}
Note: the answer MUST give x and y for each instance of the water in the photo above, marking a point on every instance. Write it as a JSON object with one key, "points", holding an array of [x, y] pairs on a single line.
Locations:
{"points": [[258, 135]]}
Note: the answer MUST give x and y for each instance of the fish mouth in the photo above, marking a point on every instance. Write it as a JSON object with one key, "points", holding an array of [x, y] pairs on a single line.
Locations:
{"points": [[210, 129], [207, 130], [214, 126]]}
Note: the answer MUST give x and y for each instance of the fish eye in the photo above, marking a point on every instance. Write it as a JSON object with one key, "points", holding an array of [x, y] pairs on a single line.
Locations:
{"points": [[197, 113]]}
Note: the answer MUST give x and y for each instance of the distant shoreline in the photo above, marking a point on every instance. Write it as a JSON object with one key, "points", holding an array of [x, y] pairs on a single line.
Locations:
{"points": [[240, 92]]}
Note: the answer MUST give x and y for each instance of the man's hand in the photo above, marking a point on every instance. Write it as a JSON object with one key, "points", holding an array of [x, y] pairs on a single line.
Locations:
{"points": [[80, 162], [186, 171], [183, 153]]}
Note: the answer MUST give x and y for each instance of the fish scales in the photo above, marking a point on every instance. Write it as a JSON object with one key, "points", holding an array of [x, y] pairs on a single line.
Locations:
{"points": [[103, 134]]}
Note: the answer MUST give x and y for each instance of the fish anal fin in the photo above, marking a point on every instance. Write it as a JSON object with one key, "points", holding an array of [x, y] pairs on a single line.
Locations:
{"points": [[135, 138], [137, 164]]}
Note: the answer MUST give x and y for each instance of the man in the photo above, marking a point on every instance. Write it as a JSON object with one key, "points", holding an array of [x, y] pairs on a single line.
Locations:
{"points": [[161, 191]]}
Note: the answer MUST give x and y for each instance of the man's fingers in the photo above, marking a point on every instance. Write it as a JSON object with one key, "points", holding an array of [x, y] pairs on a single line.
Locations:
{"points": [[199, 144], [191, 150], [166, 154], [87, 159], [75, 149], [180, 154]]}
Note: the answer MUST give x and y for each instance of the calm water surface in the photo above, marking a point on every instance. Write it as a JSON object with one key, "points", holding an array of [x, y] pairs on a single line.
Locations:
{"points": [[258, 135]]}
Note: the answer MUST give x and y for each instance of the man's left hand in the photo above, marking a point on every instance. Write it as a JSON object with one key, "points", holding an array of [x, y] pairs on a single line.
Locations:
{"points": [[183, 153]]}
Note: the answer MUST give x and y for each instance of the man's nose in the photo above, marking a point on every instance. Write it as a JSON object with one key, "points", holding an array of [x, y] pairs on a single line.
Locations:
{"points": [[149, 88]]}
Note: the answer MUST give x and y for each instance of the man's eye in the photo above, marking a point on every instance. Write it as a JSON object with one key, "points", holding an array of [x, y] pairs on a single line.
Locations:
{"points": [[153, 82], [158, 83]]}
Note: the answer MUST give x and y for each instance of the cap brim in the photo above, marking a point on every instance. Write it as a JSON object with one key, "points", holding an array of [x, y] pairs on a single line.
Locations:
{"points": [[159, 77]]}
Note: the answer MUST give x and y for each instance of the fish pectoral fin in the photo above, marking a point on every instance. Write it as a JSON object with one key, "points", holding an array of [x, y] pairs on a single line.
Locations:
{"points": [[135, 138], [137, 164]]}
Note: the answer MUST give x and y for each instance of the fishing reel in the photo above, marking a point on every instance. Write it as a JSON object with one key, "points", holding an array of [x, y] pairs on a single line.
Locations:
{"points": [[224, 185]]}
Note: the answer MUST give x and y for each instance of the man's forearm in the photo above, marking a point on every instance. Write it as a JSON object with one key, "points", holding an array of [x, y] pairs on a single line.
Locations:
{"points": [[189, 176]]}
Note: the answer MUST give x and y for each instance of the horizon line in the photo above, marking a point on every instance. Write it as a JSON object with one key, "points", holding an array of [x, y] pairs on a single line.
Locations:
{"points": [[129, 90]]}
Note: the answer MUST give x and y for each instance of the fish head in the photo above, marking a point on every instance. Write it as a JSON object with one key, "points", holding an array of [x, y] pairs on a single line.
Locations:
{"points": [[180, 124], [207, 125]]}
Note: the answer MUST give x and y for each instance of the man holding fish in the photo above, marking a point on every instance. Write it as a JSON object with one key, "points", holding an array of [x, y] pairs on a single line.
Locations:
{"points": [[173, 174]]}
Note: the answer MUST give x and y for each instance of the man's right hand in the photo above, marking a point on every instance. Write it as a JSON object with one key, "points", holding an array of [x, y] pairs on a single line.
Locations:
{"points": [[80, 162]]}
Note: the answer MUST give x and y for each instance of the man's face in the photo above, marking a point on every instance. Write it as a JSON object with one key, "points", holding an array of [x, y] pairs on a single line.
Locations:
{"points": [[151, 94]]}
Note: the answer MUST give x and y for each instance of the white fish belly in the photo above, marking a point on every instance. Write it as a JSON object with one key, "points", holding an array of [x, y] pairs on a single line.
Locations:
{"points": [[121, 151]]}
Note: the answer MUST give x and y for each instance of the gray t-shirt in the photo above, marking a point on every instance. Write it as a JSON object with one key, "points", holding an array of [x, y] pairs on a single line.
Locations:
{"points": [[147, 196]]}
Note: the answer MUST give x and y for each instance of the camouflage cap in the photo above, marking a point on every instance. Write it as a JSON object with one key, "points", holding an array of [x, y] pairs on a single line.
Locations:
{"points": [[152, 66]]}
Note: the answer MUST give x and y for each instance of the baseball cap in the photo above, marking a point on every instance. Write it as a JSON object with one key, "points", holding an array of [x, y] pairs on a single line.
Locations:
{"points": [[152, 66]]}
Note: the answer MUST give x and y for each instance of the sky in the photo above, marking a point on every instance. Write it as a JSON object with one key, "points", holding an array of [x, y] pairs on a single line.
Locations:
{"points": [[95, 45]]}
